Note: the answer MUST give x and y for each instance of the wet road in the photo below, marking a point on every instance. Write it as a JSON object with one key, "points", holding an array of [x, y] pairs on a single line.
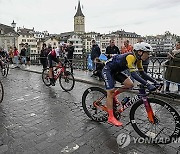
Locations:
{"points": [[39, 119]]}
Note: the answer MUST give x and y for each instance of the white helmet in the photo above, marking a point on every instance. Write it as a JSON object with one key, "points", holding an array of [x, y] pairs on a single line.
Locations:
{"points": [[142, 46]]}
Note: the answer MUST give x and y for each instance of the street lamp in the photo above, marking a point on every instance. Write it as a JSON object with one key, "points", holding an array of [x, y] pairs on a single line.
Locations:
{"points": [[13, 24]]}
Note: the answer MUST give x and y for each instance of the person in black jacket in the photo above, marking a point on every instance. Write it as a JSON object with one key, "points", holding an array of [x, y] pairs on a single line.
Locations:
{"points": [[23, 55], [95, 52], [112, 49], [70, 51], [43, 56]]}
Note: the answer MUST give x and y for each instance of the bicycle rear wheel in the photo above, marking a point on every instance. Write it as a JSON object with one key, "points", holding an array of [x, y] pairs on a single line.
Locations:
{"points": [[1, 92], [45, 77], [67, 81], [92, 96], [167, 122]]}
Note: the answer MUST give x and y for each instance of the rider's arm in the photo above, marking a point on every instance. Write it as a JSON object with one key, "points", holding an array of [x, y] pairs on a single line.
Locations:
{"points": [[144, 74], [131, 65], [147, 77]]}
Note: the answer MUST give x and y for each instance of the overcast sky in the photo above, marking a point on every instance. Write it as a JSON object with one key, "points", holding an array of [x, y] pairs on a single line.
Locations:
{"points": [[145, 17]]}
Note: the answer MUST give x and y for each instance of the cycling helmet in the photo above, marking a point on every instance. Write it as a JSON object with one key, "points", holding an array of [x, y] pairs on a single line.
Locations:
{"points": [[143, 47]]}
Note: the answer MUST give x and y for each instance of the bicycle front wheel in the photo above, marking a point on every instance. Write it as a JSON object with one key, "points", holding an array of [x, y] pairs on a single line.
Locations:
{"points": [[1, 92], [5, 70], [45, 77], [166, 126], [67, 81], [93, 97]]}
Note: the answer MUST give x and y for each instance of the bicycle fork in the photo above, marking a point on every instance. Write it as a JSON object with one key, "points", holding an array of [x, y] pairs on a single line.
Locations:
{"points": [[149, 110]]}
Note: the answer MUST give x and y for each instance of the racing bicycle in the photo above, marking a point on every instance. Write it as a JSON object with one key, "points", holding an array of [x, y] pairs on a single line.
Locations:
{"points": [[152, 118], [66, 78]]}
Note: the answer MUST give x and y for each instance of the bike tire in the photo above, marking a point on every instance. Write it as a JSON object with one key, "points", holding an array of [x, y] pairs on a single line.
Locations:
{"points": [[66, 77], [137, 107], [94, 115], [1, 92], [45, 77], [6, 68]]}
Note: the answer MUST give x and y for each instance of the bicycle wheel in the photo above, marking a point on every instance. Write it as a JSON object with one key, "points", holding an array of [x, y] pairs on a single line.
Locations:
{"points": [[167, 122], [67, 81], [69, 67], [45, 77], [6, 69], [1, 92], [91, 96]]}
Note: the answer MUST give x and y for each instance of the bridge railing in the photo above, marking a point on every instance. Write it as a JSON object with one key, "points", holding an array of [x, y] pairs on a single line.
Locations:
{"points": [[155, 68]]}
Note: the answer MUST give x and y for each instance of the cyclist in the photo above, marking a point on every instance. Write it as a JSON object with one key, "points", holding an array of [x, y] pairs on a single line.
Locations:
{"points": [[113, 72], [3, 56], [53, 56]]}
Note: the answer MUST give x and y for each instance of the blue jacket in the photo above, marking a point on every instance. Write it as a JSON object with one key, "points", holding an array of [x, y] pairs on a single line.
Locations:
{"points": [[95, 52]]}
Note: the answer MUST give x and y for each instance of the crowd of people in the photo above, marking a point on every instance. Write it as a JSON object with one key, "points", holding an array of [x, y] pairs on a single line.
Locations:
{"points": [[15, 57]]}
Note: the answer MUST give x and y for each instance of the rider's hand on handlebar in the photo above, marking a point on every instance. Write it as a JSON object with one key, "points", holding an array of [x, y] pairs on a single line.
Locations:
{"points": [[151, 87], [158, 85]]}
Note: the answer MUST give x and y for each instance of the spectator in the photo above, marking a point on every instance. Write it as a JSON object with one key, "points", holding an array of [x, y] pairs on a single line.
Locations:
{"points": [[16, 57], [28, 54], [112, 49], [95, 53], [70, 51], [126, 48], [43, 55], [23, 55], [11, 55], [171, 56]]}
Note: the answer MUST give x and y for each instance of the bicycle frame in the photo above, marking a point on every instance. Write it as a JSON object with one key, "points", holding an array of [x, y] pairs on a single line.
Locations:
{"points": [[141, 96], [60, 69]]}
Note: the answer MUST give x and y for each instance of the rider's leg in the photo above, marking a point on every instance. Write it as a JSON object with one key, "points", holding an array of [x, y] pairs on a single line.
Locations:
{"points": [[110, 83], [51, 77], [125, 80], [127, 84], [51, 71], [111, 118]]}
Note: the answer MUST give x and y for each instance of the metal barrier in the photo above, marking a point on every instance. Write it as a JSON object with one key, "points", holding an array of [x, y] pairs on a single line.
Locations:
{"points": [[155, 68]]}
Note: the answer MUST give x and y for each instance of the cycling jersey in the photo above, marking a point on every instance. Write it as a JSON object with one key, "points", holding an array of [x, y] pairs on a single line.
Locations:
{"points": [[55, 52], [117, 64]]}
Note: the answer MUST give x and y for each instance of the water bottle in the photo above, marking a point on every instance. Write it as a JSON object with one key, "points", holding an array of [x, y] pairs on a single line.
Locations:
{"points": [[125, 100]]}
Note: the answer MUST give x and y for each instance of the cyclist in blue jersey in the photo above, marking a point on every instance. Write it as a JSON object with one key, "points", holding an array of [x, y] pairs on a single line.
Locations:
{"points": [[113, 72]]}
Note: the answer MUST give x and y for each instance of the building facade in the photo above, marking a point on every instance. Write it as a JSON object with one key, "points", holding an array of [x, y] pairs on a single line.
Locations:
{"points": [[79, 21], [27, 36], [8, 37], [162, 44]]}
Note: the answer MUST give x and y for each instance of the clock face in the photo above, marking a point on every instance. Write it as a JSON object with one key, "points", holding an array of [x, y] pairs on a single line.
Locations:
{"points": [[79, 21]]}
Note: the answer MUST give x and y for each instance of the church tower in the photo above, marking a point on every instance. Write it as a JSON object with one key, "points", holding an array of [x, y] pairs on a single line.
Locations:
{"points": [[79, 23]]}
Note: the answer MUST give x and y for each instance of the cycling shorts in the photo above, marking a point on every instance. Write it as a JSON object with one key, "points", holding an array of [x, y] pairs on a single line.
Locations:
{"points": [[110, 77], [51, 59]]}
